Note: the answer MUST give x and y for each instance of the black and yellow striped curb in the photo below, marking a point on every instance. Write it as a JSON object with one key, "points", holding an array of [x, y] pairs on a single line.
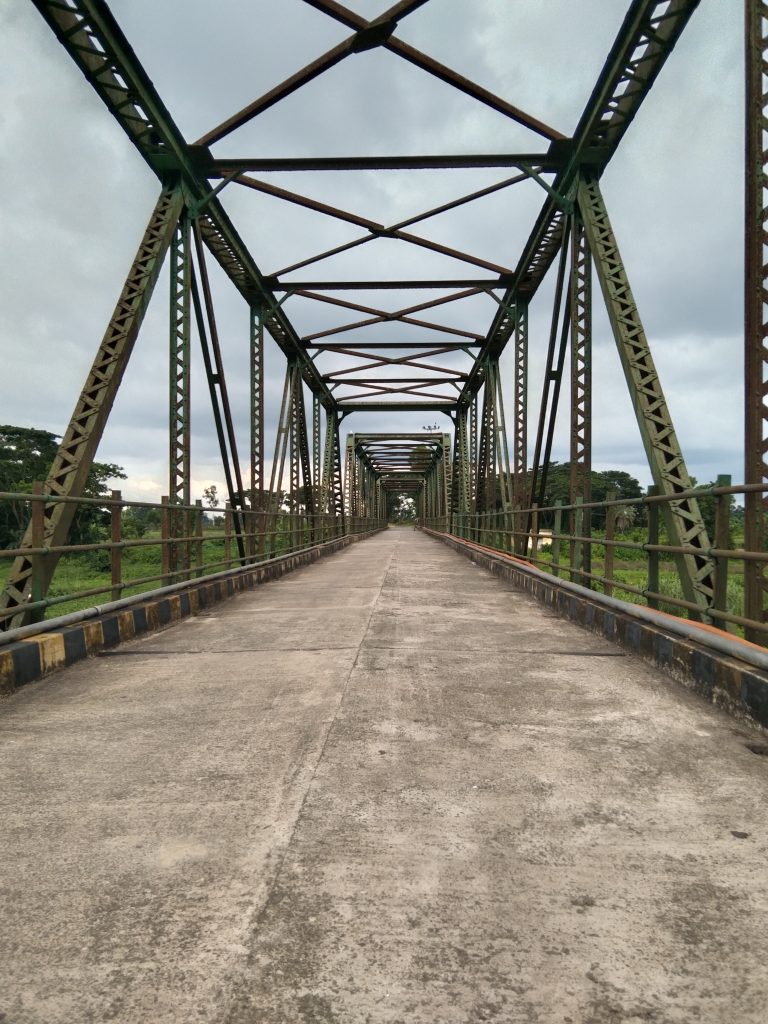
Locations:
{"points": [[736, 686], [34, 657]]}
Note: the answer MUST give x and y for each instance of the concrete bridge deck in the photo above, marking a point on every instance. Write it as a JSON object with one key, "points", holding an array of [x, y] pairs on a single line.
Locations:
{"points": [[382, 789]]}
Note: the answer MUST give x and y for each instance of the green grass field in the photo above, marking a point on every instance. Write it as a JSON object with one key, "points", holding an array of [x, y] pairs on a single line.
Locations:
{"points": [[78, 573]]}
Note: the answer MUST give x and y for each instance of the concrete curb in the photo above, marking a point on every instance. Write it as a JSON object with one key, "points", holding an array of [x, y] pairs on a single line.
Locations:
{"points": [[37, 656], [737, 687]]}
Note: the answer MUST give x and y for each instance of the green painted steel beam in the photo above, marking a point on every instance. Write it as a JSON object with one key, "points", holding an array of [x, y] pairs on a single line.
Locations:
{"points": [[665, 458]]}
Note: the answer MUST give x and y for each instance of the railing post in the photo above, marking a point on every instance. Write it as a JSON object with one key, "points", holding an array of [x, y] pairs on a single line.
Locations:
{"points": [[165, 533], [199, 537], [228, 535], [38, 560], [116, 552], [261, 530], [610, 533], [249, 518], [534, 536], [556, 530], [653, 556], [517, 525], [722, 541], [577, 546]]}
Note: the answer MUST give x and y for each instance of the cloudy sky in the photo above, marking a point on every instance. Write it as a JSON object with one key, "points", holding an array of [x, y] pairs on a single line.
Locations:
{"points": [[76, 197]]}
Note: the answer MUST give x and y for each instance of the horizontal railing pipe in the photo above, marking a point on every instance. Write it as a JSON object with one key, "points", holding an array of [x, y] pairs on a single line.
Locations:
{"points": [[191, 553], [624, 554]]}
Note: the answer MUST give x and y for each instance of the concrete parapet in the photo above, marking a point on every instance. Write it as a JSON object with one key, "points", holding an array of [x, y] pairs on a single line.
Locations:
{"points": [[730, 682]]}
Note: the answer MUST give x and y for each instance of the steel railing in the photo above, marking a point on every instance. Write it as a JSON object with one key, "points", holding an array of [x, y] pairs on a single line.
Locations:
{"points": [[606, 559], [183, 543]]}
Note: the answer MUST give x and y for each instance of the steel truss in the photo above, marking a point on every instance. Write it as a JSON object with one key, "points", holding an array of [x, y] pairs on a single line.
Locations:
{"points": [[434, 365], [381, 464]]}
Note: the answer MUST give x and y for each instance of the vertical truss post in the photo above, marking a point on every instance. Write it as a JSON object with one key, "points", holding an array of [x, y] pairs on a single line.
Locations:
{"points": [[217, 388], [486, 462], [255, 530], [553, 378], [325, 504], [685, 525], [756, 304], [332, 494], [179, 397], [317, 456], [502, 458], [336, 491], [295, 496], [75, 454], [350, 477], [473, 452], [446, 483], [301, 466], [581, 394], [520, 417], [461, 471], [278, 462]]}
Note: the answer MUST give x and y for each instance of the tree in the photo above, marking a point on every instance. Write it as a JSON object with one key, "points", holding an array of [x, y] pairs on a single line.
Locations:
{"points": [[559, 488], [401, 508], [26, 455], [211, 496], [708, 509]]}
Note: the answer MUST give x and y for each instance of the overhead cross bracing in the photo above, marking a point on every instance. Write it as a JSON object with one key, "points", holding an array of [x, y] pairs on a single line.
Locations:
{"points": [[383, 340]]}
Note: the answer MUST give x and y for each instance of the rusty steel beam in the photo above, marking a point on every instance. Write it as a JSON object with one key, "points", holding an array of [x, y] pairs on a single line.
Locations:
{"points": [[394, 230], [438, 70], [481, 284], [375, 229], [546, 163], [342, 348], [368, 35]]}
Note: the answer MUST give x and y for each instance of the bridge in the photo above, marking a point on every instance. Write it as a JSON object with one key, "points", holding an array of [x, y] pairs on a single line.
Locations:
{"points": [[287, 761]]}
